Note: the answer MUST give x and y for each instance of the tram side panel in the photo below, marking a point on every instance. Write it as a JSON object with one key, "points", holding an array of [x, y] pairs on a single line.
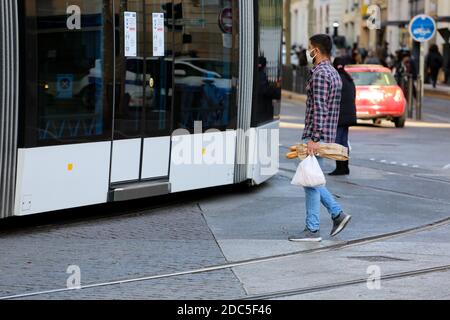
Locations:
{"points": [[64, 147], [62, 177], [202, 160], [263, 157], [74, 175], [263, 154]]}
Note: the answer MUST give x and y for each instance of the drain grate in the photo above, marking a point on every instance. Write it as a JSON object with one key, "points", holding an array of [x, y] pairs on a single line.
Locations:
{"points": [[376, 258]]}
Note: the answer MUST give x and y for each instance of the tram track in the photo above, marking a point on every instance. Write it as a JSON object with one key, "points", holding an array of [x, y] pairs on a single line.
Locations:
{"points": [[342, 284], [241, 263]]}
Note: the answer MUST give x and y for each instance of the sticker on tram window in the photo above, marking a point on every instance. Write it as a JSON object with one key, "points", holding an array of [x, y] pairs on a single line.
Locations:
{"points": [[158, 35], [64, 86], [130, 22]]}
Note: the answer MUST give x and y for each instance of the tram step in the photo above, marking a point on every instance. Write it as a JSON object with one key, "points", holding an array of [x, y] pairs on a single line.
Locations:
{"points": [[139, 190]]}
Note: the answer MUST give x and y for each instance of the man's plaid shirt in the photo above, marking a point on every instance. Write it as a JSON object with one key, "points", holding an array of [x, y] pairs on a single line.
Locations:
{"points": [[323, 103]]}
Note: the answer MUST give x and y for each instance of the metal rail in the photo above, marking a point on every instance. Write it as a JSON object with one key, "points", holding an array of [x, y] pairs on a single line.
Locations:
{"points": [[337, 285]]}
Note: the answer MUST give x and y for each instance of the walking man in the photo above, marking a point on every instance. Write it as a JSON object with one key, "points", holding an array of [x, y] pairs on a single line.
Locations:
{"points": [[321, 122]]}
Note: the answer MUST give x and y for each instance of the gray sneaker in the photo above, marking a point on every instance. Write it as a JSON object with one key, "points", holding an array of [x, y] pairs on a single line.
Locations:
{"points": [[340, 223], [307, 236]]}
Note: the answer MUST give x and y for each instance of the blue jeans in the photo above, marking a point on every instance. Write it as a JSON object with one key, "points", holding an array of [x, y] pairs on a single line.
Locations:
{"points": [[342, 136], [313, 198]]}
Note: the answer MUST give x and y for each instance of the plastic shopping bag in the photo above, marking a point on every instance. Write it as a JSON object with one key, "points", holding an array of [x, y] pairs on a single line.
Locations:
{"points": [[309, 174]]}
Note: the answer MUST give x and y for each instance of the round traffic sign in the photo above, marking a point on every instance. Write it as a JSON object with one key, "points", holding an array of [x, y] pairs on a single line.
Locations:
{"points": [[422, 28], [226, 20]]}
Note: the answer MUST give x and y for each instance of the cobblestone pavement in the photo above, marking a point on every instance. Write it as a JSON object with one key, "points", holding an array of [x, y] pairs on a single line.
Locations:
{"points": [[165, 241]]}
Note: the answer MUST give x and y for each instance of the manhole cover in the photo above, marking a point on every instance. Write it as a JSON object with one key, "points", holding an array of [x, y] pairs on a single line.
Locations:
{"points": [[376, 258]]}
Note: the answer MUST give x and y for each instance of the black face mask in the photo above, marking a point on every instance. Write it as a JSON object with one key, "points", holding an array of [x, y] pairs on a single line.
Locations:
{"points": [[303, 61]]}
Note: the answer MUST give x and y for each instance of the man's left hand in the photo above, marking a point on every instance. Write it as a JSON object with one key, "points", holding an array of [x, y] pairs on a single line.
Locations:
{"points": [[313, 148]]}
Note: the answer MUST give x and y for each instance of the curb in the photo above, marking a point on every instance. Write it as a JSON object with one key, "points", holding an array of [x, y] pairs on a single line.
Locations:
{"points": [[289, 95], [437, 94]]}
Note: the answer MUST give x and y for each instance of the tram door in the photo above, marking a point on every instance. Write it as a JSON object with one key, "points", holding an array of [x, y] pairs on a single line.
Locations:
{"points": [[143, 91]]}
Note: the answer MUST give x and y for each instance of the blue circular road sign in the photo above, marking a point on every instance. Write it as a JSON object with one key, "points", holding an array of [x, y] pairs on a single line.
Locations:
{"points": [[422, 28]]}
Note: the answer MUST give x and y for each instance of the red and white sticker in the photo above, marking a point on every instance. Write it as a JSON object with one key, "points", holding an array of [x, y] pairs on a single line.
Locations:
{"points": [[158, 35]]}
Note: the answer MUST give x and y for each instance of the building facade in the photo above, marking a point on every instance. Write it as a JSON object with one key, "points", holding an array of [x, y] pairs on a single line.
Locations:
{"points": [[354, 17], [299, 22]]}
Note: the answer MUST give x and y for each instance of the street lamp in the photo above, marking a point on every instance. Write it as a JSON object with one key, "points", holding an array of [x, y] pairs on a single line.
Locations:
{"points": [[336, 27]]}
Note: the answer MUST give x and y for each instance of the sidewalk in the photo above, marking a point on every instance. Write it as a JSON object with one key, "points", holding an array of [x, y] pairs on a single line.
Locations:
{"points": [[289, 95], [441, 91]]}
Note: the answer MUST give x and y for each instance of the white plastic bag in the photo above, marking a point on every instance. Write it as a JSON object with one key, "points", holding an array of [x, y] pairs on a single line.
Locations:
{"points": [[309, 174]]}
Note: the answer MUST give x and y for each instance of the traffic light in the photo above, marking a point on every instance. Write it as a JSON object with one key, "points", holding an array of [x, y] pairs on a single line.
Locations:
{"points": [[173, 16]]}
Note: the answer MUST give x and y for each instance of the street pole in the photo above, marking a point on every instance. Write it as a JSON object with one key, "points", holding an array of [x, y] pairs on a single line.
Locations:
{"points": [[410, 96], [422, 28], [287, 30], [422, 81]]}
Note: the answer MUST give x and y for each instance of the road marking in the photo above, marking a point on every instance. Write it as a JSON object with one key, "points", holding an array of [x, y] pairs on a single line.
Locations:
{"points": [[447, 167], [404, 164]]}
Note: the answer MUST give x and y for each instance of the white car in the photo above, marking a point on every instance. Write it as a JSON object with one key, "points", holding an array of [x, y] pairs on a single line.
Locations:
{"points": [[294, 58], [196, 72]]}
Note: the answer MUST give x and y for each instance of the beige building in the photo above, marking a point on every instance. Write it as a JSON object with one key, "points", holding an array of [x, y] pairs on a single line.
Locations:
{"points": [[309, 17], [300, 32], [352, 21], [322, 16], [318, 16]]}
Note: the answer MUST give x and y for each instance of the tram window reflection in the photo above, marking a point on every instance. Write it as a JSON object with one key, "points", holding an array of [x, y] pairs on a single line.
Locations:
{"points": [[268, 91], [203, 66], [68, 100]]}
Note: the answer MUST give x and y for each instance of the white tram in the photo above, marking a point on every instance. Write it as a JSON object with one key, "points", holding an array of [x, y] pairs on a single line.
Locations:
{"points": [[114, 100]]}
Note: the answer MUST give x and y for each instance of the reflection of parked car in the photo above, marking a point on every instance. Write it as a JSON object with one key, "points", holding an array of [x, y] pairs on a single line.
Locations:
{"points": [[205, 86], [294, 57], [196, 72], [133, 84], [87, 87], [135, 81], [377, 94]]}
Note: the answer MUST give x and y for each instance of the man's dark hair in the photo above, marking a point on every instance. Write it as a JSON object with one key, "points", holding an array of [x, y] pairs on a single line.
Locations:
{"points": [[323, 42]]}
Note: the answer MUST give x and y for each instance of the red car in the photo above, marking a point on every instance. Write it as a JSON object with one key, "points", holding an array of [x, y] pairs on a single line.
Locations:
{"points": [[377, 94]]}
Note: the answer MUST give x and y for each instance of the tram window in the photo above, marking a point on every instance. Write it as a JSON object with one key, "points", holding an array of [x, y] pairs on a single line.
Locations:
{"points": [[266, 106], [68, 67], [143, 82], [204, 65]]}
